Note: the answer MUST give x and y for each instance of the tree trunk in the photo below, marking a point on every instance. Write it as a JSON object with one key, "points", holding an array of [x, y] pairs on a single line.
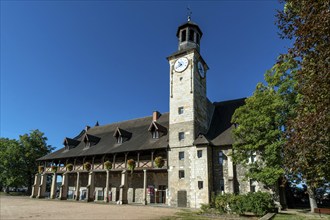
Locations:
{"points": [[312, 200]]}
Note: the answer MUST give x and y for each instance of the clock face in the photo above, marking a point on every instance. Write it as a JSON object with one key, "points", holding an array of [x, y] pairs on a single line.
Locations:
{"points": [[181, 64], [201, 70]]}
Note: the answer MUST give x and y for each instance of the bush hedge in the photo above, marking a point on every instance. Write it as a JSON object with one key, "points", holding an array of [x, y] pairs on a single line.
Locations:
{"points": [[258, 203]]}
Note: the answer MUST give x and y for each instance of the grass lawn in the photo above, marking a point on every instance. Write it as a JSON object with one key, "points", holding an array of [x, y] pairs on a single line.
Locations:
{"points": [[289, 216], [186, 214]]}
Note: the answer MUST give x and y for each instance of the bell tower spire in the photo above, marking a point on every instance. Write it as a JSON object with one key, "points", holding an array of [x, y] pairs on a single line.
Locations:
{"points": [[189, 34]]}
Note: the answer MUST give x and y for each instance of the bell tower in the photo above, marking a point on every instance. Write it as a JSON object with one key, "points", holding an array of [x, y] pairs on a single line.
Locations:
{"points": [[188, 115]]}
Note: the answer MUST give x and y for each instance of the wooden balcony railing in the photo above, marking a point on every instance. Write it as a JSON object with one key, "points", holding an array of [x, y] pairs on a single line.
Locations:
{"points": [[142, 164]]}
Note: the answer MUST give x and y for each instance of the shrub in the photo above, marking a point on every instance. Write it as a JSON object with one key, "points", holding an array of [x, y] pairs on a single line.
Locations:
{"points": [[131, 165], [87, 166], [258, 203], [54, 169], [221, 202], [159, 161], [69, 167], [107, 165]]}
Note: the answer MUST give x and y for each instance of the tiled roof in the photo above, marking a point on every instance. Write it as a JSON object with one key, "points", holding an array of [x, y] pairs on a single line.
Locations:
{"points": [[141, 139], [219, 134], [220, 129]]}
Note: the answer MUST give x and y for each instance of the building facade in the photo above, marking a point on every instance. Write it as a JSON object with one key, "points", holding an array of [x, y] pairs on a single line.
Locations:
{"points": [[177, 158]]}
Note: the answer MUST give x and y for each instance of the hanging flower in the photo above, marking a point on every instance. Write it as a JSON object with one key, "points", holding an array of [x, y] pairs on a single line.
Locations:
{"points": [[41, 169], [159, 161], [53, 168], [69, 167], [131, 165], [87, 166], [107, 165]]}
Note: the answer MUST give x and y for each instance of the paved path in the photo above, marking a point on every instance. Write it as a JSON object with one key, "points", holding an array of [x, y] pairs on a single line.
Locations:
{"points": [[16, 207]]}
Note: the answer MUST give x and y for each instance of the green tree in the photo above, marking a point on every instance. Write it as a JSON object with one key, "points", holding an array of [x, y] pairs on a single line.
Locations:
{"points": [[261, 124], [11, 164], [18, 159], [34, 145], [307, 151]]}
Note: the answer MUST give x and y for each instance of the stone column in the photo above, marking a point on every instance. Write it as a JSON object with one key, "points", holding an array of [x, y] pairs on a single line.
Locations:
{"points": [[42, 186], [144, 202], [53, 188], [78, 186], [123, 188], [107, 183], [35, 186], [90, 187], [64, 187]]}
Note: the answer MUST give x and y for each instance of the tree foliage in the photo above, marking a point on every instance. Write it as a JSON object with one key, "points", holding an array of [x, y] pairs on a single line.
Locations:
{"points": [[11, 164], [307, 151], [261, 123], [18, 158]]}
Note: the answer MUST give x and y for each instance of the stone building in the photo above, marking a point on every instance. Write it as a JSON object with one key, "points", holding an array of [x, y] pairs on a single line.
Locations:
{"points": [[177, 158]]}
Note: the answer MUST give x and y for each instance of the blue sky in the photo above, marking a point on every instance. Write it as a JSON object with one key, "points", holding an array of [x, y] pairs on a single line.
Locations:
{"points": [[68, 64]]}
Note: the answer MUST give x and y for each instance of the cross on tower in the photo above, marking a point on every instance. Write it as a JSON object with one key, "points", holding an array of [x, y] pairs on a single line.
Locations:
{"points": [[189, 13]]}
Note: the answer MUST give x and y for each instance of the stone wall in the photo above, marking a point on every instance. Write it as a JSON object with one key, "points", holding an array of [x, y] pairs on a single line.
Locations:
{"points": [[188, 90], [195, 169], [223, 170]]}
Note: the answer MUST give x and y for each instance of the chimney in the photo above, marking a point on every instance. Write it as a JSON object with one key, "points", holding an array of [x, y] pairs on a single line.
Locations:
{"points": [[87, 128], [155, 115]]}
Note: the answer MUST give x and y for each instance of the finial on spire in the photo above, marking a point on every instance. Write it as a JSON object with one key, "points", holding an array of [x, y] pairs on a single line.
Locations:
{"points": [[189, 13]]}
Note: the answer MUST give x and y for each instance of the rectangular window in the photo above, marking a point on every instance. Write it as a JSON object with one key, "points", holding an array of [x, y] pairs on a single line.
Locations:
{"points": [[180, 110], [183, 35], [253, 185], [181, 174], [181, 155], [220, 157], [155, 134], [222, 185], [197, 38], [252, 158], [119, 140], [191, 35], [181, 136], [199, 153], [200, 184]]}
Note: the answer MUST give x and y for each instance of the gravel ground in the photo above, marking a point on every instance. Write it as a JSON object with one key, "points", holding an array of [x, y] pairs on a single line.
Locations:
{"points": [[17, 207]]}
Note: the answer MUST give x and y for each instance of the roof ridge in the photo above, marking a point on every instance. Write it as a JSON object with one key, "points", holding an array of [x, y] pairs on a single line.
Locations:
{"points": [[229, 101], [120, 122]]}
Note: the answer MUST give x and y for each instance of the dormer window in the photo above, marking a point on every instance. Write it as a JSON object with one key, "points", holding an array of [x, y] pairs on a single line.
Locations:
{"points": [[119, 139], [156, 130], [155, 134], [121, 135], [70, 143], [90, 140]]}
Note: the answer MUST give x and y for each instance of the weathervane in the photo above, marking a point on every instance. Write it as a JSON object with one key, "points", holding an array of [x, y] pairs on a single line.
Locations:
{"points": [[189, 13]]}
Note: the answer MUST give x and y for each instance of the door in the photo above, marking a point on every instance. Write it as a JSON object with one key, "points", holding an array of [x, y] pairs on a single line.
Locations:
{"points": [[182, 198]]}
